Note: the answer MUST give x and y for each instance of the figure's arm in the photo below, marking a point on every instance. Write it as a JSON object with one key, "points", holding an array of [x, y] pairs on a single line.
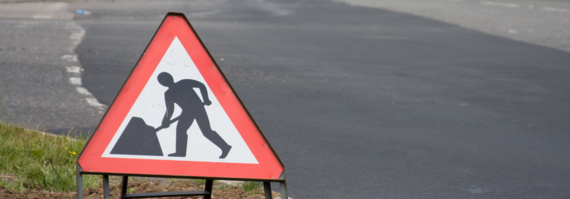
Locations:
{"points": [[169, 110], [203, 91]]}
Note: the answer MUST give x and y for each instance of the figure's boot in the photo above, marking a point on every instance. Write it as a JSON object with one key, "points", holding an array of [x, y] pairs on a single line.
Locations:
{"points": [[181, 144], [225, 151], [218, 141]]}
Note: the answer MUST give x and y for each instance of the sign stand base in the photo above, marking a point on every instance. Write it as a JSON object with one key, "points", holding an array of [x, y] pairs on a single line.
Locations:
{"points": [[207, 192]]}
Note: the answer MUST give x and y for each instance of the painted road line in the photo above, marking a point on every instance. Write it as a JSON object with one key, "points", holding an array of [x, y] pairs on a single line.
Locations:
{"points": [[93, 102], [75, 80], [510, 5], [74, 72], [83, 91], [73, 69], [77, 33], [556, 10], [69, 58]]}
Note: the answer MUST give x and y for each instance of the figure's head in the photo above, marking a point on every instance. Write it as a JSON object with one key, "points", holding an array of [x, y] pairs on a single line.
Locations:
{"points": [[165, 79]]}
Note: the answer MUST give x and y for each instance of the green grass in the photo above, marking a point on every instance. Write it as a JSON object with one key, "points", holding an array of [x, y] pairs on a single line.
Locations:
{"points": [[198, 181], [226, 187], [34, 160], [252, 187]]}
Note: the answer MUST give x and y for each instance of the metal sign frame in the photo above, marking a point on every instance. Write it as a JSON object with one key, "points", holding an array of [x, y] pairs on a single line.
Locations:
{"points": [[209, 180]]}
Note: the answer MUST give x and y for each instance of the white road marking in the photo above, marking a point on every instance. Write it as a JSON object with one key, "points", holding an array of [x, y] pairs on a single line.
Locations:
{"points": [[555, 9], [93, 102], [75, 80], [510, 5], [73, 69], [83, 91], [77, 35], [74, 72], [69, 58]]}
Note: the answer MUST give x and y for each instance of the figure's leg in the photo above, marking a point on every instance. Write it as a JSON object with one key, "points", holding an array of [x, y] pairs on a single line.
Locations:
{"points": [[184, 124], [204, 124]]}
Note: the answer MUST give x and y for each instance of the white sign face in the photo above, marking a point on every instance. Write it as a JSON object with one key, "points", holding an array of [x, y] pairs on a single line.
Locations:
{"points": [[151, 107]]}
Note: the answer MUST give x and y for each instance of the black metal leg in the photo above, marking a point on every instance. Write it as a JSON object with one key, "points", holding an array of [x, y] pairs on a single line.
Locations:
{"points": [[124, 186], [283, 190], [106, 191], [79, 181], [267, 189], [209, 184]]}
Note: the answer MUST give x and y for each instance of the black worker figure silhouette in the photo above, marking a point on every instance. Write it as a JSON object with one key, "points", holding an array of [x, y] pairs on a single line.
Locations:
{"points": [[138, 138], [183, 94]]}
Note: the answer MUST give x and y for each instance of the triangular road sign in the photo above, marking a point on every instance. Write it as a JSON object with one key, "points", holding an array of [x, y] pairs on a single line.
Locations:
{"points": [[177, 115]]}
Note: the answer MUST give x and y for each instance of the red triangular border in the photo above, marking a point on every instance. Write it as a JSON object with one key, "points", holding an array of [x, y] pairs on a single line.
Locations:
{"points": [[174, 25]]}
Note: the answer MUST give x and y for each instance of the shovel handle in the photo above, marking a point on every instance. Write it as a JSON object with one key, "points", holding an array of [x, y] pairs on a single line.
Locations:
{"points": [[171, 121]]}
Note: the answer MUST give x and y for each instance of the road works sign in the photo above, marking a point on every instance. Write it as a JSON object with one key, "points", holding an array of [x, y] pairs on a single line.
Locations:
{"points": [[177, 115]]}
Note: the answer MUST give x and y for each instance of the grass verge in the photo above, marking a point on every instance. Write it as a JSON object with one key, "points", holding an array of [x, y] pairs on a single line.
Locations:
{"points": [[32, 160], [252, 187]]}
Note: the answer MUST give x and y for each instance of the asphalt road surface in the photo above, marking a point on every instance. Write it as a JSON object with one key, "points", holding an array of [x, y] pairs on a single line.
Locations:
{"points": [[38, 62], [361, 102], [544, 22]]}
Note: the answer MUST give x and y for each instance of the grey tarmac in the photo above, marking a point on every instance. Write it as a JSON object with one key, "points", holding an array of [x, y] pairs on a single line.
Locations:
{"points": [[360, 101], [41, 77]]}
